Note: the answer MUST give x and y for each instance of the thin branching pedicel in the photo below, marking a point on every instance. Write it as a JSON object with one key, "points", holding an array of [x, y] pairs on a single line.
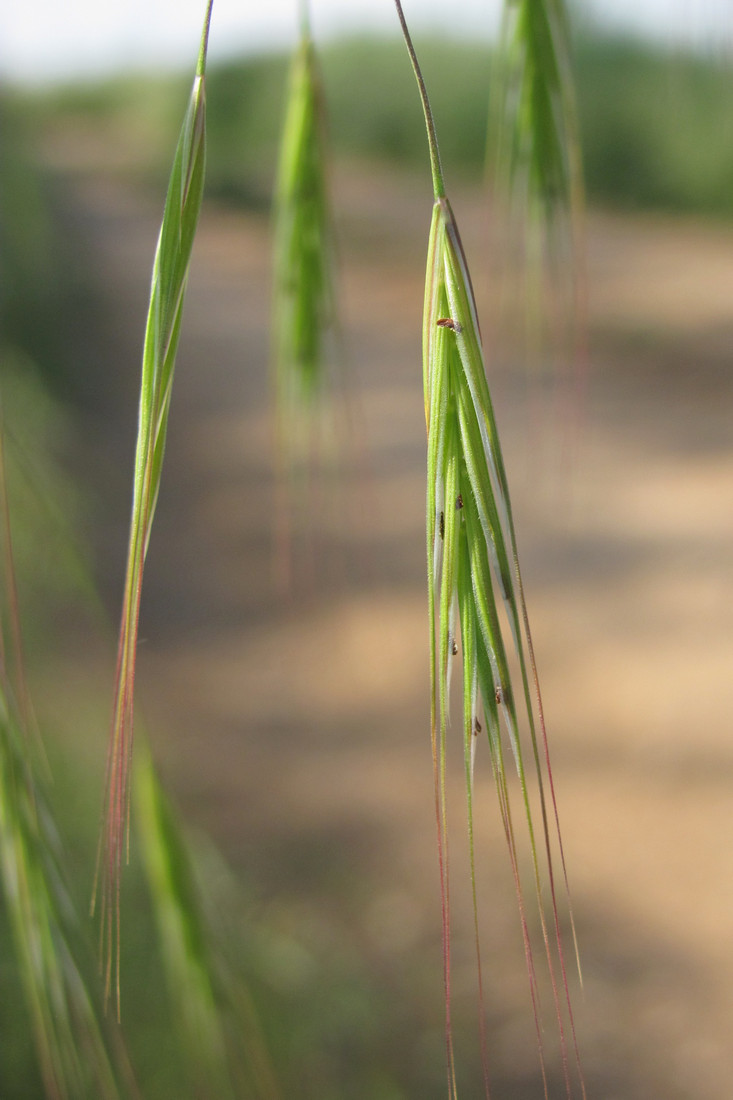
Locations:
{"points": [[170, 273], [475, 595]]}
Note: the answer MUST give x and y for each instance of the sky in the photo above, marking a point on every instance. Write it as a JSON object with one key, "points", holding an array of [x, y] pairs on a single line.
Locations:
{"points": [[43, 40]]}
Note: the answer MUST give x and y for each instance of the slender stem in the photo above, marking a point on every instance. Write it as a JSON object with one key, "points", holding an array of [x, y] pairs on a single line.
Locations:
{"points": [[201, 64], [435, 165]]}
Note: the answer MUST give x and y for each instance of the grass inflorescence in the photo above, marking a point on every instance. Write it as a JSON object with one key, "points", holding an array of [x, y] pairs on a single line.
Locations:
{"points": [[170, 273], [476, 599], [535, 102], [303, 312], [535, 149], [303, 285]]}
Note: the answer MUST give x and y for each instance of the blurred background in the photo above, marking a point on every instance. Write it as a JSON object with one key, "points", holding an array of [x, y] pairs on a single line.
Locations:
{"points": [[292, 730]]}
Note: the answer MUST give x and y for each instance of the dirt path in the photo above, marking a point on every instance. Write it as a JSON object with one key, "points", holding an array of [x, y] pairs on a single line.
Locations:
{"points": [[296, 732]]}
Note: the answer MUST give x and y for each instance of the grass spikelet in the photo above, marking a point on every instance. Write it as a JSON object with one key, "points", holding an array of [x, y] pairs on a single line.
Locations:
{"points": [[201, 987], [475, 595], [181, 936], [303, 307], [170, 271], [79, 1053], [303, 285], [539, 178], [538, 130]]}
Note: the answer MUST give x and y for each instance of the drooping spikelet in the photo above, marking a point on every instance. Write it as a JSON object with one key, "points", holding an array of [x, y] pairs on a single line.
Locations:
{"points": [[304, 312], [476, 605], [535, 149], [535, 102], [170, 273], [475, 590], [303, 306]]}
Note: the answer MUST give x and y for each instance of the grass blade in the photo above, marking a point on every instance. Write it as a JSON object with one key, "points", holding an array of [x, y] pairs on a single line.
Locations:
{"points": [[170, 272]]}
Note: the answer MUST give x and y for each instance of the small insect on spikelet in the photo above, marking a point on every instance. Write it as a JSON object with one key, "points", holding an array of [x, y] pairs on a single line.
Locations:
{"points": [[475, 595], [170, 273], [303, 311]]}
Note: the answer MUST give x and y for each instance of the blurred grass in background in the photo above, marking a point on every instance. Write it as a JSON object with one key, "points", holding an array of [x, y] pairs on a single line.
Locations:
{"points": [[656, 127], [657, 130]]}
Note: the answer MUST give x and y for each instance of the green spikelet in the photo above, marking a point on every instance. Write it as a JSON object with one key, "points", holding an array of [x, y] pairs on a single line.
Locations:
{"points": [[223, 1061], [537, 123], [303, 311], [476, 603], [170, 274], [535, 147]]}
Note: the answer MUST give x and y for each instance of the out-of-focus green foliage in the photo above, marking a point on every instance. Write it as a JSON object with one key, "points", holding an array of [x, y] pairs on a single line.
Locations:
{"points": [[386, 123], [73, 1052], [39, 276], [26, 235], [655, 125]]}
